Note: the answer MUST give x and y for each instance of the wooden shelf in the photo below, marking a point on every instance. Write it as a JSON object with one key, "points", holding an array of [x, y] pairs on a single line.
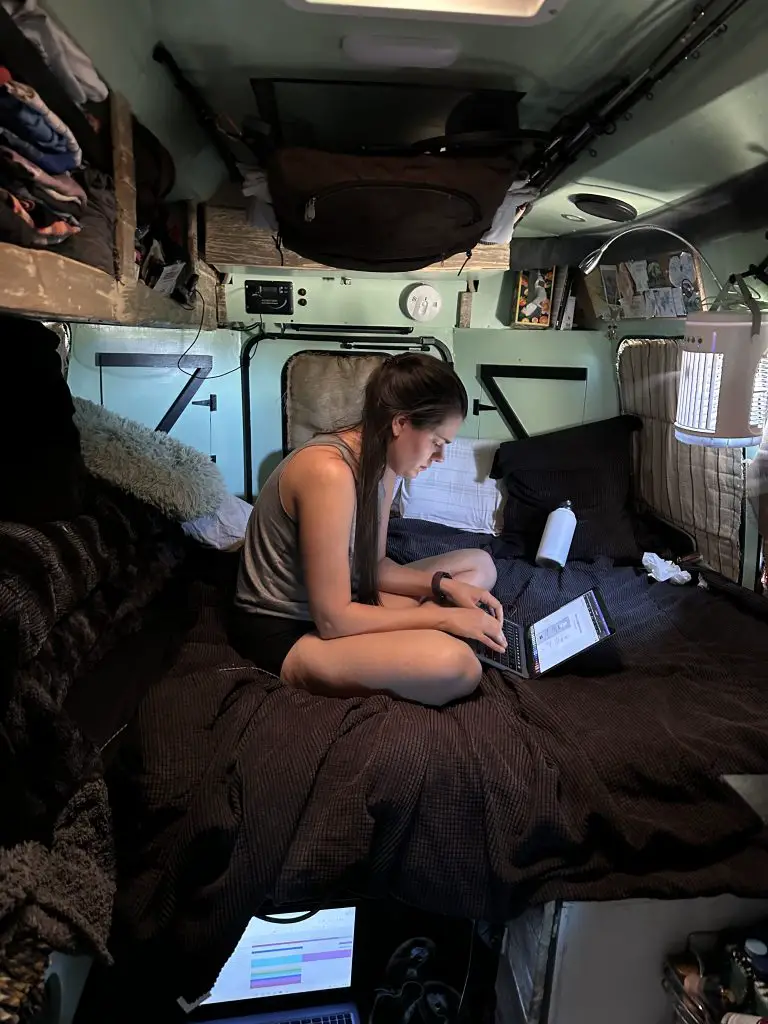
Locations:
{"points": [[229, 242], [42, 283]]}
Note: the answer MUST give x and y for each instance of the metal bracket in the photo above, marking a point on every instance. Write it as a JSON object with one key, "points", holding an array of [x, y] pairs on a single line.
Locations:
{"points": [[210, 402]]}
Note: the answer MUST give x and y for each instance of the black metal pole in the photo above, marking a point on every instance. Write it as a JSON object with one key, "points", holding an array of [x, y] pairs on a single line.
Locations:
{"points": [[205, 114]]}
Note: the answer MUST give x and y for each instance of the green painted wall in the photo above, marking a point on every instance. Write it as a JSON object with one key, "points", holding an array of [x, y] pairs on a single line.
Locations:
{"points": [[541, 405], [332, 298], [144, 394], [375, 300], [359, 299], [336, 297], [119, 37]]}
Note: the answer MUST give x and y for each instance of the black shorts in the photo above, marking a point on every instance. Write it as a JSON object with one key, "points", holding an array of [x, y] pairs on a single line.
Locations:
{"points": [[266, 639]]}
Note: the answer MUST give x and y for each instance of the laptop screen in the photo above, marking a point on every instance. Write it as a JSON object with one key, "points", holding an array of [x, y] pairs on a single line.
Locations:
{"points": [[289, 958], [567, 632]]}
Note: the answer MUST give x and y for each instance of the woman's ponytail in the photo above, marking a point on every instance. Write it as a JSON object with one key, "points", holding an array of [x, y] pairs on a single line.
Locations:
{"points": [[426, 391]]}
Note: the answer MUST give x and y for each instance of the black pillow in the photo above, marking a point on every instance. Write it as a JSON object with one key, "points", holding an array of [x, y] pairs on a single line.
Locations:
{"points": [[590, 467]]}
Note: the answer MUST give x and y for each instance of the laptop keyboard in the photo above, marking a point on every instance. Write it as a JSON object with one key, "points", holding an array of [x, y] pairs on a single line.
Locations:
{"points": [[325, 1018], [512, 658]]}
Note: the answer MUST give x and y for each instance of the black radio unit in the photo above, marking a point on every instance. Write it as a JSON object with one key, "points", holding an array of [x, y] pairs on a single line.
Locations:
{"points": [[269, 297]]}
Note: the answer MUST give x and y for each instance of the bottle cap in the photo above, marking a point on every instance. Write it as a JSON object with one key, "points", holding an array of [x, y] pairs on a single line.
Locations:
{"points": [[566, 504], [755, 947]]}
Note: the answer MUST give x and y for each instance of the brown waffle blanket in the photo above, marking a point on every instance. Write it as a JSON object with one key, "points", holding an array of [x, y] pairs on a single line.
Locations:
{"points": [[233, 792], [68, 592]]}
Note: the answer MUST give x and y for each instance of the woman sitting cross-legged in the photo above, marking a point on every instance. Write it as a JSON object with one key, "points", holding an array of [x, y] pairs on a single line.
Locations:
{"points": [[318, 602]]}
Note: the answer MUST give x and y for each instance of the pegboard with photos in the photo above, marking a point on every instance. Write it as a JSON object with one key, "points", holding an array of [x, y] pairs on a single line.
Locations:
{"points": [[666, 285]]}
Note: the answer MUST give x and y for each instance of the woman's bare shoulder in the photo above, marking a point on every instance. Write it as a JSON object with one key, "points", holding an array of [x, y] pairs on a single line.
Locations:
{"points": [[317, 465]]}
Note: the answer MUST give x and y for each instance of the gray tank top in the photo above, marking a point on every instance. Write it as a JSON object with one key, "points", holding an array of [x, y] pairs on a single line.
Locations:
{"points": [[271, 577]]}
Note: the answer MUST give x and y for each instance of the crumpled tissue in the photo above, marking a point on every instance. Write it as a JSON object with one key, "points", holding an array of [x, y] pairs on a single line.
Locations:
{"points": [[663, 571]]}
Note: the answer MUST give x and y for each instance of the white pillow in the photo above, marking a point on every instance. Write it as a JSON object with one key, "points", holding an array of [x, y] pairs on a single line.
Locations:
{"points": [[225, 529], [457, 492]]}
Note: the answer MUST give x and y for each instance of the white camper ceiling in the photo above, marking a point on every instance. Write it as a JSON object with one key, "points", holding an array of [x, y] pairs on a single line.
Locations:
{"points": [[708, 121]]}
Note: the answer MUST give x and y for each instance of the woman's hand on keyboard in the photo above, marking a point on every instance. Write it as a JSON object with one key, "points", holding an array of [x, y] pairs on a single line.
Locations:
{"points": [[474, 624], [464, 595]]}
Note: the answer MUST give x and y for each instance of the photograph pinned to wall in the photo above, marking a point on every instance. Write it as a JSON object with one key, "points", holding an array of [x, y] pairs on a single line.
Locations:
{"points": [[656, 277], [533, 305], [610, 276], [669, 285], [683, 277]]}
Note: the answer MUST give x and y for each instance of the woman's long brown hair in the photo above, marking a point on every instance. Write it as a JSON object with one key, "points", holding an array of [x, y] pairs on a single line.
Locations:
{"points": [[426, 391]]}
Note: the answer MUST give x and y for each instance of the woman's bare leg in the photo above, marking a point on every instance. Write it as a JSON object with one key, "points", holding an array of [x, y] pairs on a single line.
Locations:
{"points": [[422, 665], [470, 565]]}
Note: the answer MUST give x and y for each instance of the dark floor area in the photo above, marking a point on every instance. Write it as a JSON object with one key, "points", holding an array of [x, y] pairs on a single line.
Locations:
{"points": [[463, 960]]}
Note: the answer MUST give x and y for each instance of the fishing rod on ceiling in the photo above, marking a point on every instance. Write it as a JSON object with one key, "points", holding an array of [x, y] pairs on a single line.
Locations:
{"points": [[708, 21]]}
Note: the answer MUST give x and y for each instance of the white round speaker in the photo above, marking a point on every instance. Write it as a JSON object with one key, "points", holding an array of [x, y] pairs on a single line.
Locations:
{"points": [[423, 303]]}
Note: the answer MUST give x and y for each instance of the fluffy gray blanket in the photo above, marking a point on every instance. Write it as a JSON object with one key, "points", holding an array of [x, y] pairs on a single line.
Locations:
{"points": [[177, 479]]}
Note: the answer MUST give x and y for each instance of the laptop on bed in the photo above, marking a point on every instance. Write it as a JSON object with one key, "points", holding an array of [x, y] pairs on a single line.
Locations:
{"points": [[292, 969], [558, 637]]}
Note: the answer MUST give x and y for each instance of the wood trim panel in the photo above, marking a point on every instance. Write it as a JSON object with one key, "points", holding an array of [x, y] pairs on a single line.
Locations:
{"points": [[229, 242]]}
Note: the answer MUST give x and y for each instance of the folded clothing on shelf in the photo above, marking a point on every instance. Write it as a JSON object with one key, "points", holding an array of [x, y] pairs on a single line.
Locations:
{"points": [[30, 128], [52, 163], [24, 169], [40, 203], [25, 222], [24, 112]]}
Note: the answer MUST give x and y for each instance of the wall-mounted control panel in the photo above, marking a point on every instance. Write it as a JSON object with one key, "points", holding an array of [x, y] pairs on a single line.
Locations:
{"points": [[269, 298]]}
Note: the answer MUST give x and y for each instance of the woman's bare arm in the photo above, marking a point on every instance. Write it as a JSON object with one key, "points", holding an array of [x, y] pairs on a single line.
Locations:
{"points": [[394, 578], [318, 489]]}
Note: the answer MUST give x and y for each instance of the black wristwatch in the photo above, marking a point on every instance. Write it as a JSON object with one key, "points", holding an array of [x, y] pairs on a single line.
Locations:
{"points": [[437, 591]]}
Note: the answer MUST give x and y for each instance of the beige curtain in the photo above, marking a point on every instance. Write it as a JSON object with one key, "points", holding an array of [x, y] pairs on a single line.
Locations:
{"points": [[757, 488], [699, 489]]}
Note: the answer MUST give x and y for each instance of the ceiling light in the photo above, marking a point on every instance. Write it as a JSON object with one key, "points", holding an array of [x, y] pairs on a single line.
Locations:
{"points": [[574, 218], [603, 207], [498, 12], [398, 51]]}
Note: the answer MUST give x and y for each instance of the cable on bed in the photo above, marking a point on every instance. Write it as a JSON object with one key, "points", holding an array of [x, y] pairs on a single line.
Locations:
{"points": [[469, 966]]}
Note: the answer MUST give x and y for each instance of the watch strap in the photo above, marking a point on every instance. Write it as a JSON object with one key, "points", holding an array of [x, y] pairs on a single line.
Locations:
{"points": [[437, 592]]}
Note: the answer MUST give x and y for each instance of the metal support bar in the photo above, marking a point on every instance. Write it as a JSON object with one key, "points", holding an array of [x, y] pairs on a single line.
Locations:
{"points": [[565, 149], [344, 329], [204, 113], [180, 402]]}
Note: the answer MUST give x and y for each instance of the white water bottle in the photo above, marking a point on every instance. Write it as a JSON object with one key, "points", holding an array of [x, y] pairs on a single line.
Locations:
{"points": [[556, 539]]}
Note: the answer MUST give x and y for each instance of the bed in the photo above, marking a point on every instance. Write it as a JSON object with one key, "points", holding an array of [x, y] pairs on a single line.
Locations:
{"points": [[232, 792]]}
